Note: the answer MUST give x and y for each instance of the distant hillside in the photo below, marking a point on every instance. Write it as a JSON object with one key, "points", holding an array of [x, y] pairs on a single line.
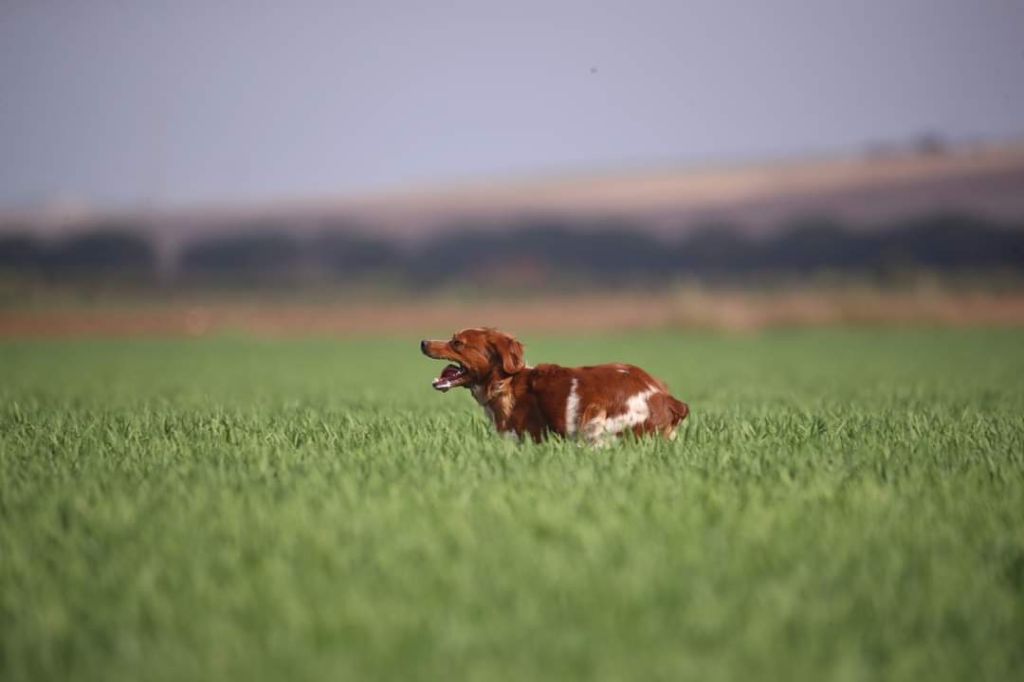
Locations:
{"points": [[872, 189], [860, 191]]}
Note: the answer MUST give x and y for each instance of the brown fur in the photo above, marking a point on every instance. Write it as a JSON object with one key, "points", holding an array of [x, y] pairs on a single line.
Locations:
{"points": [[535, 401]]}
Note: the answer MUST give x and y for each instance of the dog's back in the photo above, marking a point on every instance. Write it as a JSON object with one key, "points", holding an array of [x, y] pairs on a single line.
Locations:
{"points": [[601, 401]]}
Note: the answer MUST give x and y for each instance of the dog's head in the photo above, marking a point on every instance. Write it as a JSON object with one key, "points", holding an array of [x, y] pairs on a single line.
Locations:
{"points": [[477, 356]]}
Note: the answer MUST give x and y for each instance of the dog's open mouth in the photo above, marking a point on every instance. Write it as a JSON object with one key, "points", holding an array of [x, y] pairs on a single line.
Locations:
{"points": [[451, 376]]}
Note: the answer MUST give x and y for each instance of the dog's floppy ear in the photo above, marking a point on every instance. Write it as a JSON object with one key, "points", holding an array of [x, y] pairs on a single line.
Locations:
{"points": [[511, 353]]}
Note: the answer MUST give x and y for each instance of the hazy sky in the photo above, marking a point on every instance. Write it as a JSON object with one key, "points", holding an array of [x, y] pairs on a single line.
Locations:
{"points": [[193, 101]]}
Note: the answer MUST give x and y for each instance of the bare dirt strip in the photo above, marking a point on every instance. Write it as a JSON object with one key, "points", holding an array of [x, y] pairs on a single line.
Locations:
{"points": [[702, 310]]}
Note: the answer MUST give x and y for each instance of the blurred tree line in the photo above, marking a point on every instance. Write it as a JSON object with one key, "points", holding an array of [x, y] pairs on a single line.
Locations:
{"points": [[526, 251], [103, 248]]}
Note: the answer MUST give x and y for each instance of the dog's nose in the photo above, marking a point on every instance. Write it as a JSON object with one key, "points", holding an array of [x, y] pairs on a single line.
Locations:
{"points": [[423, 346]]}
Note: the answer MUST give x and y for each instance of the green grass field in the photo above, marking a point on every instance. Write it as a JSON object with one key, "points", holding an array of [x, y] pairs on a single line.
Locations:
{"points": [[842, 505]]}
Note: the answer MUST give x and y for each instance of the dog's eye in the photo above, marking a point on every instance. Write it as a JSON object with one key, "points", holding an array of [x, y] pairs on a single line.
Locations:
{"points": [[456, 344]]}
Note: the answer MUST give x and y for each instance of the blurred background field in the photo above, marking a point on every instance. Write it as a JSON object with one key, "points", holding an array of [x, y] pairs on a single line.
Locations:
{"points": [[333, 168], [930, 236]]}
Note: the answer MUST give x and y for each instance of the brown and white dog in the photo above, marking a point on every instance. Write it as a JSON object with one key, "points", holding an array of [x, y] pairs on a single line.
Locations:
{"points": [[590, 403]]}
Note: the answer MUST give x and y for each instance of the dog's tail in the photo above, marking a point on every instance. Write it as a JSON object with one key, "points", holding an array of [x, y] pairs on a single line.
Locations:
{"points": [[679, 410]]}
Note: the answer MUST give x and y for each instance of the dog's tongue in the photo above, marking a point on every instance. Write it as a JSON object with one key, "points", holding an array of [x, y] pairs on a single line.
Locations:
{"points": [[448, 375], [450, 372]]}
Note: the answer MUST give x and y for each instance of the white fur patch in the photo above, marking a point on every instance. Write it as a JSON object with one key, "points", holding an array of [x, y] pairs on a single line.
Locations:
{"points": [[637, 412], [572, 409], [481, 398]]}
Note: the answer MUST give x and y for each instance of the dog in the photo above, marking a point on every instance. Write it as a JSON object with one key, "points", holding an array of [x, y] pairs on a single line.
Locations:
{"points": [[593, 404]]}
